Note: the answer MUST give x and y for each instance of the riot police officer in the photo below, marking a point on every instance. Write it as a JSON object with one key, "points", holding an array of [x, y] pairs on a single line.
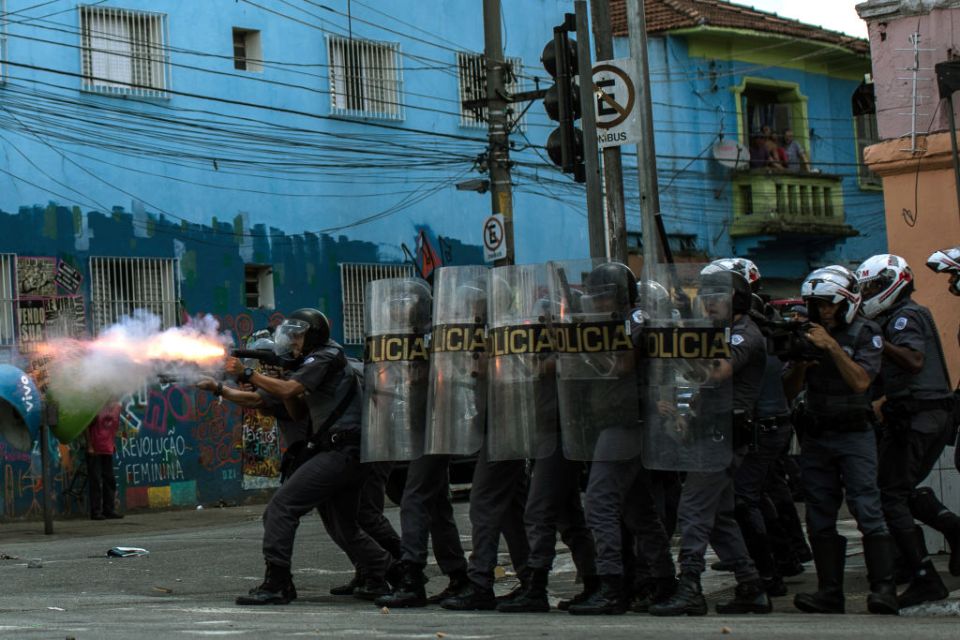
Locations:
{"points": [[398, 311], [458, 426], [839, 452], [770, 436], [326, 388], [916, 420], [706, 511], [948, 261]]}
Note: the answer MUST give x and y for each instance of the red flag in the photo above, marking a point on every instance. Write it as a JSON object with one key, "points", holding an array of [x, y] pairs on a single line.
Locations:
{"points": [[426, 255]]}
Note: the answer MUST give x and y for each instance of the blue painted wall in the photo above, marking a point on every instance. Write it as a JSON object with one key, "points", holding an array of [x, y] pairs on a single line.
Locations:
{"points": [[694, 104], [237, 167]]}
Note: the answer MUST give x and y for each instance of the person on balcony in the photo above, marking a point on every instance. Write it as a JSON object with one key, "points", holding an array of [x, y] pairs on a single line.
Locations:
{"points": [[796, 158]]}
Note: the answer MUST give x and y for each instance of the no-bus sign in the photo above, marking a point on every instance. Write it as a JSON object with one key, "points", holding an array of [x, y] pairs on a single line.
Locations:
{"points": [[615, 93], [494, 242]]}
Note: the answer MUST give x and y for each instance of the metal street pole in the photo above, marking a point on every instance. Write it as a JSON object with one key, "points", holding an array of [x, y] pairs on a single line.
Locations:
{"points": [[497, 126], [591, 152], [616, 221], [49, 419], [646, 149]]}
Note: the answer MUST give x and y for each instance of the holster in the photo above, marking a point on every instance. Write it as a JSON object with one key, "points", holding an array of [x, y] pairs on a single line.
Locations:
{"points": [[746, 431]]}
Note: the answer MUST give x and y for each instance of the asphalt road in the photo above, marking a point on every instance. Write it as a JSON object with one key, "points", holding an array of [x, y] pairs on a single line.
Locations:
{"points": [[200, 560]]}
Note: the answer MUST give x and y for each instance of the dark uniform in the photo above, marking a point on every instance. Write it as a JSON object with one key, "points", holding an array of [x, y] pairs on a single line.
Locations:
{"points": [[839, 458], [498, 495], [915, 432], [425, 513], [772, 434], [331, 478], [706, 512], [622, 513], [370, 514]]}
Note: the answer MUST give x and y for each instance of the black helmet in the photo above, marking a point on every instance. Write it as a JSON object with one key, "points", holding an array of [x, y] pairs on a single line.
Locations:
{"points": [[617, 274], [317, 327], [726, 281]]}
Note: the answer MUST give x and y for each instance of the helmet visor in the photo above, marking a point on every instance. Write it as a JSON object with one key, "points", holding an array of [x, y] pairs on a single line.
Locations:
{"points": [[290, 334], [600, 298], [876, 285]]}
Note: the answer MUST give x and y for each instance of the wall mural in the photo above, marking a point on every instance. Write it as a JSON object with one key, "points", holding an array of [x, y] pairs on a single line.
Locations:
{"points": [[177, 446]]}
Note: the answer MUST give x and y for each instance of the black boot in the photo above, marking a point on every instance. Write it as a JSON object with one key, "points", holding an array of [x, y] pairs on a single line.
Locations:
{"points": [[878, 553], [790, 522], [687, 601], [654, 591], [608, 599], [472, 598], [409, 592], [724, 567], [590, 586], [276, 588], [830, 557], [926, 508], [457, 583], [749, 597], [784, 555], [347, 589], [759, 547], [533, 598], [523, 577], [926, 585], [372, 588]]}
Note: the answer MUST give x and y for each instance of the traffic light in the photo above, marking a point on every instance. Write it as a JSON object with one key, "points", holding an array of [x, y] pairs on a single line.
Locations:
{"points": [[562, 100]]}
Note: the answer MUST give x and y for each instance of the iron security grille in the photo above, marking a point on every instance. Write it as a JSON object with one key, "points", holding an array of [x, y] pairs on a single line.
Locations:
{"points": [[124, 52], [119, 286], [8, 298], [365, 78], [353, 281], [472, 79]]}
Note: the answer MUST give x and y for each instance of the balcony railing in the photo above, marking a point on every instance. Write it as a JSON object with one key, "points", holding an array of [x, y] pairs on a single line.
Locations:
{"points": [[788, 203]]}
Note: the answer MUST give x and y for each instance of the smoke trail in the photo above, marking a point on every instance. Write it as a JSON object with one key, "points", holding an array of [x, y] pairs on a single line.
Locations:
{"points": [[131, 353]]}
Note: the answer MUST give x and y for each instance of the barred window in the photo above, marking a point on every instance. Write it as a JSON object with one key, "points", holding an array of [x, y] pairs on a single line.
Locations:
{"points": [[124, 52], [8, 298], [472, 79], [353, 281], [365, 78], [119, 286]]}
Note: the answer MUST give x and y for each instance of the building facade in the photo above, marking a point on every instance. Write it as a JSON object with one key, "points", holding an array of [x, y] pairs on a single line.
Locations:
{"points": [[244, 159]]}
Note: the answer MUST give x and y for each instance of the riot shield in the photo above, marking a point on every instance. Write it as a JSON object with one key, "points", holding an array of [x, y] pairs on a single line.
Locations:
{"points": [[456, 400], [522, 392], [681, 331], [396, 321], [596, 377]]}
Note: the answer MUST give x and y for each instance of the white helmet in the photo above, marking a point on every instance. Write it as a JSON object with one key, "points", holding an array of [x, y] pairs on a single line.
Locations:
{"points": [[835, 284], [744, 267], [884, 279], [947, 261]]}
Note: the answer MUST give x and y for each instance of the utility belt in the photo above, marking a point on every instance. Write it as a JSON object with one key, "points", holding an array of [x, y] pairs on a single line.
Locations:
{"points": [[773, 423], [911, 406], [897, 413], [301, 451], [848, 422]]}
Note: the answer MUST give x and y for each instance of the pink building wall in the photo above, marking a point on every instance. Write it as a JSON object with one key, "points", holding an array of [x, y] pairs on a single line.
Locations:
{"points": [[889, 34]]}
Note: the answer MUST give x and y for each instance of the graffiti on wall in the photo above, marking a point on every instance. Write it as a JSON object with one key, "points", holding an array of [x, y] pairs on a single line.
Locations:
{"points": [[47, 302], [178, 446], [261, 451]]}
